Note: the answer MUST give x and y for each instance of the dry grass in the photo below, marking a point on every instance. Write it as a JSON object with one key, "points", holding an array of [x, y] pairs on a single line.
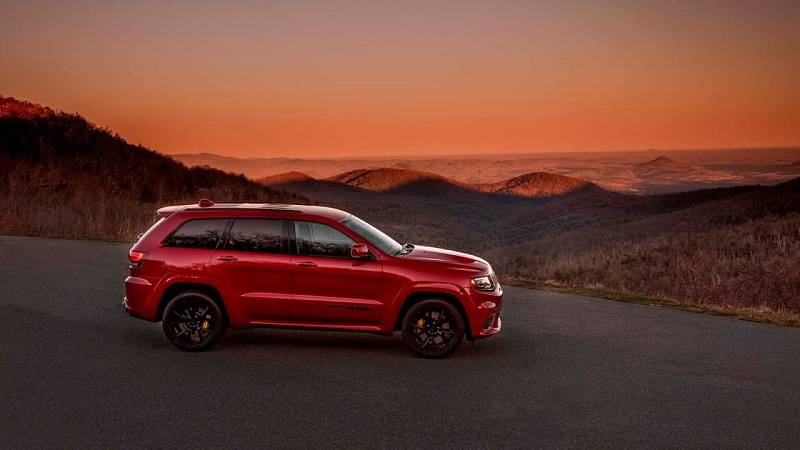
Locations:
{"points": [[750, 314], [751, 266]]}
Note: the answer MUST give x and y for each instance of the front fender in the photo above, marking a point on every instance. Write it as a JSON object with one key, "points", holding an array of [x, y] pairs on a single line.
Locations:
{"points": [[451, 290]]}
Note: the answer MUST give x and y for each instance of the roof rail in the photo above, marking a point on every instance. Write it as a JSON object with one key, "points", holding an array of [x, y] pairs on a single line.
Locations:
{"points": [[205, 203]]}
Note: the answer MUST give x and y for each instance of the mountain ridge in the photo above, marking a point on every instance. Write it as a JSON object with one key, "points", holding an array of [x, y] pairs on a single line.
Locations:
{"points": [[530, 185], [12, 107]]}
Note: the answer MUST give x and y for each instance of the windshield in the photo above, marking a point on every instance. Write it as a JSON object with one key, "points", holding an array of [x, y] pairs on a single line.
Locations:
{"points": [[375, 236]]}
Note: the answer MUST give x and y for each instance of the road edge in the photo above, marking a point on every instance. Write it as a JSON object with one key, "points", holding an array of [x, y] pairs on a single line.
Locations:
{"points": [[748, 314]]}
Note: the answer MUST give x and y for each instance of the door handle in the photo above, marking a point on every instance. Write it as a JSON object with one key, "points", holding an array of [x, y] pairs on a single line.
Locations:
{"points": [[306, 264], [227, 258]]}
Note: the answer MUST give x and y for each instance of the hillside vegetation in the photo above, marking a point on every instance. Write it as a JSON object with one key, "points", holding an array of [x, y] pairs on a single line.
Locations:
{"points": [[63, 176], [734, 247]]}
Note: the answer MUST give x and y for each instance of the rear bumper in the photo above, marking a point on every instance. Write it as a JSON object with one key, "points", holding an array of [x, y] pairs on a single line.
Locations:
{"points": [[126, 306], [138, 300]]}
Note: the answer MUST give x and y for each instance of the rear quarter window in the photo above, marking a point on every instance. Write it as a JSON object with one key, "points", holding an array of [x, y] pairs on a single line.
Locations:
{"points": [[197, 233]]}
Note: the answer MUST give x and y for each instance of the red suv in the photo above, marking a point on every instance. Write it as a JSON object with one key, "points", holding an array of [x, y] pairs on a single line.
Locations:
{"points": [[204, 267]]}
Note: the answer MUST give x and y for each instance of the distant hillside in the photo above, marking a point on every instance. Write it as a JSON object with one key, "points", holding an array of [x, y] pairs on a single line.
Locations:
{"points": [[662, 166], [662, 174], [63, 176], [385, 179], [540, 184], [629, 172], [285, 177], [410, 182], [662, 161]]}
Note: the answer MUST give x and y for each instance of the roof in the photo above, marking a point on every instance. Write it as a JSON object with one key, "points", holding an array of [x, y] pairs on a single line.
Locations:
{"points": [[323, 211]]}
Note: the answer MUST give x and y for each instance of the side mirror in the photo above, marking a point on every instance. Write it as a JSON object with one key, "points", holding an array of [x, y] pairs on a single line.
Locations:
{"points": [[359, 251]]}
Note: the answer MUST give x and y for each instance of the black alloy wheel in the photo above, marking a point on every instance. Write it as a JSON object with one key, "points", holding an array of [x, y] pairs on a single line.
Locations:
{"points": [[193, 321], [433, 328]]}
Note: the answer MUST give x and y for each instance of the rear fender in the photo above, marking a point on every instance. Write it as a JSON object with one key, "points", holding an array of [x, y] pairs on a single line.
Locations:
{"points": [[236, 316]]}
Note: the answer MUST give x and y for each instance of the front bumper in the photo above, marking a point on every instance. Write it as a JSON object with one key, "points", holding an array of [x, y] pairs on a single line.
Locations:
{"points": [[486, 321]]}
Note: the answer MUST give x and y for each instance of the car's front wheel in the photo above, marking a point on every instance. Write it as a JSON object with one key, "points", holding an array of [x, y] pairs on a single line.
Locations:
{"points": [[433, 328], [193, 321]]}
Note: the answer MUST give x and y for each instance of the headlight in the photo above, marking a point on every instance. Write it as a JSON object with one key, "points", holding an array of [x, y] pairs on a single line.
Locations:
{"points": [[485, 283]]}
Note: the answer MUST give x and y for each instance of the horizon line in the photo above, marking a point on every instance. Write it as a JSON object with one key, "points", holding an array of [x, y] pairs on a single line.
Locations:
{"points": [[495, 155]]}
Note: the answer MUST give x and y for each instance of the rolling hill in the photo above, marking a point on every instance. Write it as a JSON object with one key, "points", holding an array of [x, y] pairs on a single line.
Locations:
{"points": [[737, 246], [659, 175], [540, 184], [664, 163], [388, 179], [64, 176], [642, 172]]}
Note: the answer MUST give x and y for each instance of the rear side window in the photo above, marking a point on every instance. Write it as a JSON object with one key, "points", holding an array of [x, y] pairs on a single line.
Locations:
{"points": [[260, 235], [318, 239], [198, 233]]}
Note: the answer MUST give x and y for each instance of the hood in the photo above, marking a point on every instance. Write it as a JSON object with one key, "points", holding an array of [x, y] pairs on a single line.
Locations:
{"points": [[433, 254]]}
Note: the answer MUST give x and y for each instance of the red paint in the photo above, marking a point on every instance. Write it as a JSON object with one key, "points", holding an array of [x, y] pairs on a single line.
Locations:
{"points": [[358, 292]]}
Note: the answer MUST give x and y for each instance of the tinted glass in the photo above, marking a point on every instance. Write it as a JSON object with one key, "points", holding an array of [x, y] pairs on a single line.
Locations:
{"points": [[261, 235], [317, 239], [200, 233], [374, 235]]}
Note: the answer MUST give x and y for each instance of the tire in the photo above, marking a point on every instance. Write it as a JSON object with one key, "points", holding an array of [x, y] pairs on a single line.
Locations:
{"points": [[429, 336], [193, 321]]}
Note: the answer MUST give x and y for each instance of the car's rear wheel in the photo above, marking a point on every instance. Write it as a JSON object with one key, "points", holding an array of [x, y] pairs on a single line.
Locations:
{"points": [[433, 328], [193, 321]]}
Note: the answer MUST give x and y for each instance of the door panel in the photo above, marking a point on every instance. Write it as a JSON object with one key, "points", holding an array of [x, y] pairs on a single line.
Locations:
{"points": [[334, 290], [328, 285], [257, 268]]}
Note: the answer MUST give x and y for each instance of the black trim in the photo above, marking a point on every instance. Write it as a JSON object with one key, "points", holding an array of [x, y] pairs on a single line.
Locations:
{"points": [[223, 241], [241, 208], [288, 228]]}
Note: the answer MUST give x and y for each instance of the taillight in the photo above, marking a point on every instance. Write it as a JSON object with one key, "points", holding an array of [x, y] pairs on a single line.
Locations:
{"points": [[135, 258]]}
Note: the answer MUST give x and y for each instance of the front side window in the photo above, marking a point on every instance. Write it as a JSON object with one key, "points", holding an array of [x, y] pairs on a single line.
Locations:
{"points": [[318, 239], [260, 235], [198, 233], [377, 237]]}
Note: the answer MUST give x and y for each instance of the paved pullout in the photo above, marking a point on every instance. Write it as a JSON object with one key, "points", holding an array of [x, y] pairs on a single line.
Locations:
{"points": [[566, 371]]}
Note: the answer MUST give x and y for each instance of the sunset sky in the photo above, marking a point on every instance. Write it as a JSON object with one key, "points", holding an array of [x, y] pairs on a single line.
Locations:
{"points": [[376, 78]]}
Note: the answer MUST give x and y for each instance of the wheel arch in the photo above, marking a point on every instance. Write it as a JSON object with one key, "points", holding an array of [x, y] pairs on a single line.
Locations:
{"points": [[416, 297], [179, 287]]}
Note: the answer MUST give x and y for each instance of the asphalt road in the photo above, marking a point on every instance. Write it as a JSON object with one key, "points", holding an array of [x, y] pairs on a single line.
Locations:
{"points": [[566, 371]]}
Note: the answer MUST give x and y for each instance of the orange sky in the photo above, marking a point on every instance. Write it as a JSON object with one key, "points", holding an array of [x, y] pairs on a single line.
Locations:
{"points": [[374, 78]]}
